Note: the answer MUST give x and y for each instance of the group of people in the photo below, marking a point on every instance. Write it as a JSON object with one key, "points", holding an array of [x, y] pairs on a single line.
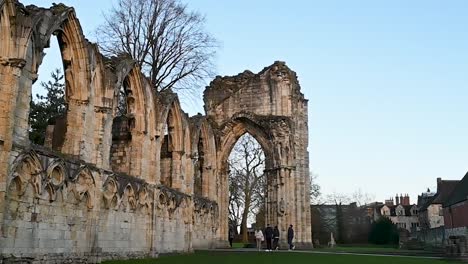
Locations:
{"points": [[271, 236]]}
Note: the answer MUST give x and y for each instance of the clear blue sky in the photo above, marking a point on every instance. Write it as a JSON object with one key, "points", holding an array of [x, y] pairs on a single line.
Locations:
{"points": [[387, 81]]}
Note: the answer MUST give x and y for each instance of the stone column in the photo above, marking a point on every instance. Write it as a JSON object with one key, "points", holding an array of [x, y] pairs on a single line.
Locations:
{"points": [[75, 141], [176, 170], [10, 79], [102, 136], [223, 203]]}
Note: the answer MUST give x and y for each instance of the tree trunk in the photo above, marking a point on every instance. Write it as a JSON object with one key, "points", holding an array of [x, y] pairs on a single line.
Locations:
{"points": [[245, 214]]}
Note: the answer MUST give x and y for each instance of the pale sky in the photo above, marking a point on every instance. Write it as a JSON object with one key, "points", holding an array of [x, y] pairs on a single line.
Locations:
{"points": [[387, 81]]}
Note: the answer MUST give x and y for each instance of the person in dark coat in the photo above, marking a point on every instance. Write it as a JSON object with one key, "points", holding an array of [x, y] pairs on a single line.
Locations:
{"points": [[268, 236], [231, 236], [276, 235], [290, 237]]}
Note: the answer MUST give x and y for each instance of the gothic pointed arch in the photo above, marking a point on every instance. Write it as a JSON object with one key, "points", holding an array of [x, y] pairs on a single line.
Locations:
{"points": [[239, 125], [270, 106], [171, 120], [110, 193], [172, 127], [83, 188], [133, 129], [29, 32], [204, 157], [27, 173], [56, 175], [129, 199]]}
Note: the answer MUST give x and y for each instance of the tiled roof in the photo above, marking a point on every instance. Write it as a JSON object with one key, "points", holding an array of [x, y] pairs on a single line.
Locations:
{"points": [[459, 194], [444, 190]]}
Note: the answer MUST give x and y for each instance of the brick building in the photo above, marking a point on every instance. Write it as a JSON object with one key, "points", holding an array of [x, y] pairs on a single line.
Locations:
{"points": [[455, 211], [456, 206], [430, 212]]}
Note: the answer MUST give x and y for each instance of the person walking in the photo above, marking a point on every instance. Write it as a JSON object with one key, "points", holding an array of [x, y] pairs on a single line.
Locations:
{"points": [[231, 236], [276, 235], [259, 237], [291, 237], [268, 236]]}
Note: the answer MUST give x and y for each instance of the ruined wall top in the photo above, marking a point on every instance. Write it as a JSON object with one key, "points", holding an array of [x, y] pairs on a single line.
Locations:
{"points": [[273, 91]]}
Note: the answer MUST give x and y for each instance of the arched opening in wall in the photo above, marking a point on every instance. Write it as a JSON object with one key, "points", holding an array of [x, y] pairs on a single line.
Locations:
{"points": [[47, 104], [166, 155], [247, 186], [122, 125], [204, 162], [172, 148], [199, 176], [122, 96]]}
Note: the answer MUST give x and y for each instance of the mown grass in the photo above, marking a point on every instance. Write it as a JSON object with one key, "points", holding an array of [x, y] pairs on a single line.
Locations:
{"points": [[238, 245], [278, 258], [362, 249]]}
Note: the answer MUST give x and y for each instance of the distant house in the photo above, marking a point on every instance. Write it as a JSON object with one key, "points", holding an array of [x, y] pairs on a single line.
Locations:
{"points": [[403, 214], [456, 210], [431, 214]]}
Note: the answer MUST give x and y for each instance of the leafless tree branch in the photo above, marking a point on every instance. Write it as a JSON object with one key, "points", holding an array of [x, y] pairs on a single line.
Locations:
{"points": [[168, 42]]}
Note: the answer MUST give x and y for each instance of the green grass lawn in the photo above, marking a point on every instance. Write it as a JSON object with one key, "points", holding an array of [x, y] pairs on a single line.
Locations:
{"points": [[277, 258], [366, 249], [238, 245]]}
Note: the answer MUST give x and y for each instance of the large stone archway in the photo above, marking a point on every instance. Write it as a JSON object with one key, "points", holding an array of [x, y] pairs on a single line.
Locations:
{"points": [[269, 106]]}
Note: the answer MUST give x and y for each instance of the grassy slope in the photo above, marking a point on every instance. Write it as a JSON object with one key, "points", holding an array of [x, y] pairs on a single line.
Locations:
{"points": [[277, 258]]}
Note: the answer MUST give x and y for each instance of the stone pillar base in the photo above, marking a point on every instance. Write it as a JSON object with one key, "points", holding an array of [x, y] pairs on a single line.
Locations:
{"points": [[153, 254], [303, 245], [221, 244]]}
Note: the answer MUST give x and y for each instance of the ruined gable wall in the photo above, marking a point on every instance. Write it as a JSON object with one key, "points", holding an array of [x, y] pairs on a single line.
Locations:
{"points": [[270, 106], [272, 92]]}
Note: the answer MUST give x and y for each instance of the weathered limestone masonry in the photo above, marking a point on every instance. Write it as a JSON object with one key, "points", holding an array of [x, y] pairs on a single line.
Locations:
{"points": [[269, 106], [109, 186]]}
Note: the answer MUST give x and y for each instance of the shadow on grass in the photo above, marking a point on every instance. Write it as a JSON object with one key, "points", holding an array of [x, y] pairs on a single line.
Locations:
{"points": [[278, 258]]}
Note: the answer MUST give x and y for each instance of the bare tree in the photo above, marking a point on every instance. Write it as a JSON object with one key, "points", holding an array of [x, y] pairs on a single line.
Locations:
{"points": [[343, 215], [362, 198], [315, 193], [246, 181], [168, 41]]}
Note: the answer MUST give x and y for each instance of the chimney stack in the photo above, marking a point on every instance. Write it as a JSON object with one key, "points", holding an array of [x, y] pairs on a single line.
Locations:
{"points": [[389, 202], [397, 200], [405, 200]]}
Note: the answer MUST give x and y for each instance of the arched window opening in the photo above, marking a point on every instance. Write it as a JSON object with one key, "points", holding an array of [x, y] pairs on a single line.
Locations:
{"points": [[122, 106], [122, 126], [166, 153], [199, 165], [47, 104], [247, 184]]}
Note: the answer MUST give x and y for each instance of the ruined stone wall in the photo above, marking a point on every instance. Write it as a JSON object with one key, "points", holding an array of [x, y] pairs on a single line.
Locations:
{"points": [[269, 106], [60, 208], [94, 191], [152, 180], [205, 223]]}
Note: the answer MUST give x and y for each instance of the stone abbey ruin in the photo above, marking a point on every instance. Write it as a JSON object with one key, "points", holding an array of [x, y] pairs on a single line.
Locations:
{"points": [[150, 182]]}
